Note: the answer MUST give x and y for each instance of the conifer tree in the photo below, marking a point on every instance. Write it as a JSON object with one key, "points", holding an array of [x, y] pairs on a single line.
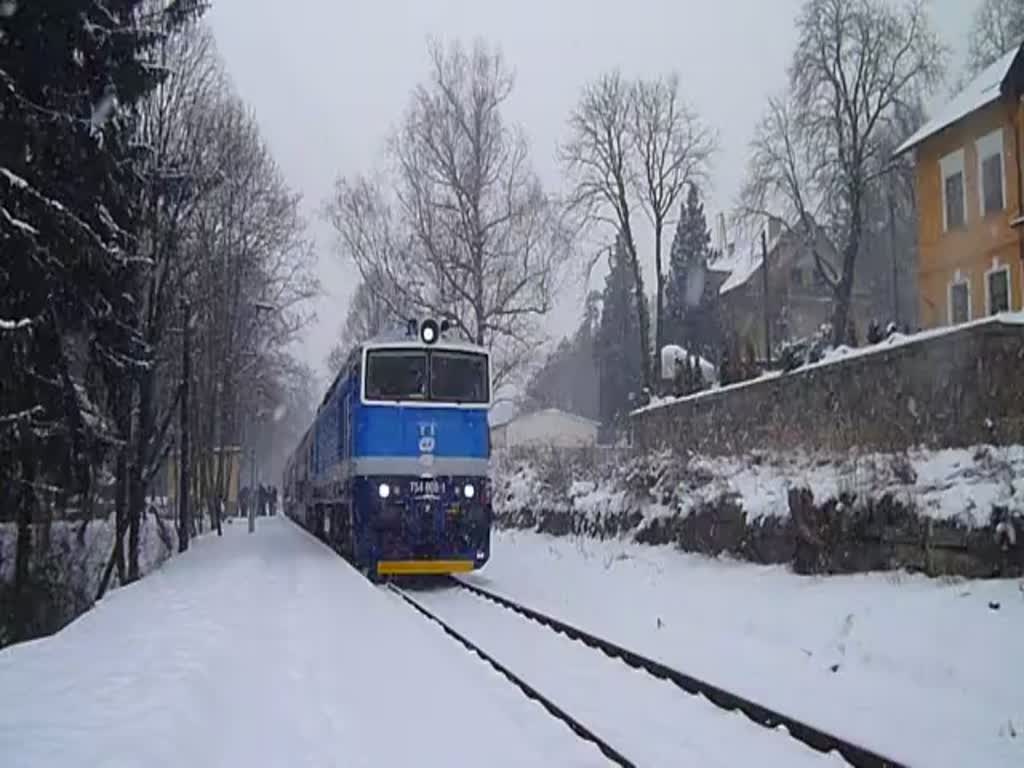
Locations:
{"points": [[690, 306], [617, 347], [71, 74]]}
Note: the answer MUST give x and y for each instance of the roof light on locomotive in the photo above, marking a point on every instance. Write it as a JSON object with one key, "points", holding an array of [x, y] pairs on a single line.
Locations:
{"points": [[429, 331]]}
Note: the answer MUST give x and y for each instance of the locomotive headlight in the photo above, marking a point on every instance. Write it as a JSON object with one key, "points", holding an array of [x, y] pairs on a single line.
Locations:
{"points": [[469, 491], [429, 332], [383, 490]]}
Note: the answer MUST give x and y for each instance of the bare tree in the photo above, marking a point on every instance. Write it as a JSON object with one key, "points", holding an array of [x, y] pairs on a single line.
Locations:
{"points": [[998, 26], [820, 151], [464, 229], [599, 158], [250, 293], [366, 229], [177, 178], [673, 148], [369, 314]]}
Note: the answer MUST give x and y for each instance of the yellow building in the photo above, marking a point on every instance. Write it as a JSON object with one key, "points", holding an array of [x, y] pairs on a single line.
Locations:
{"points": [[227, 460], [971, 220]]}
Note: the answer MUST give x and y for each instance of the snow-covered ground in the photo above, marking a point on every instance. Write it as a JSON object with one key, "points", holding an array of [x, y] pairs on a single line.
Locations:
{"points": [[650, 721], [264, 650], [924, 670]]}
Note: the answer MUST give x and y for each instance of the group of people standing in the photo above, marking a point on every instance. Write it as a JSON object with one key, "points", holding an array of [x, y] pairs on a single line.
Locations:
{"points": [[264, 497]]}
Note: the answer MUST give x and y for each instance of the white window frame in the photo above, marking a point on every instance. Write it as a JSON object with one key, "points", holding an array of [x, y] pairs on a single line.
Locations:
{"points": [[996, 267], [987, 146], [950, 165], [958, 279]]}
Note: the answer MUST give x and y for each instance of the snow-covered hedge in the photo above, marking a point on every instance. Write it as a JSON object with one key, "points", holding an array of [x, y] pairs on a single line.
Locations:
{"points": [[68, 559], [956, 510]]}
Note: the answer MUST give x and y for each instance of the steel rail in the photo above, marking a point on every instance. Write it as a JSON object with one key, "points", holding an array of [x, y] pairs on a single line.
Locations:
{"points": [[577, 727], [815, 738]]}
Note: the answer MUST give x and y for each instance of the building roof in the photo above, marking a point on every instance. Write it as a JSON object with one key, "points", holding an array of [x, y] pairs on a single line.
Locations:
{"points": [[986, 88], [746, 260], [726, 261], [549, 412]]}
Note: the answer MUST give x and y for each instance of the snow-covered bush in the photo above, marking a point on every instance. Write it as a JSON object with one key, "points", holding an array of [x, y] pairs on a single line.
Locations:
{"points": [[68, 559], [824, 513]]}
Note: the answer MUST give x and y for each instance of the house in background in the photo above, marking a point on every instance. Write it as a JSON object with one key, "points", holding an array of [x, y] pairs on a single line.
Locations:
{"points": [[971, 221], [548, 428], [799, 299]]}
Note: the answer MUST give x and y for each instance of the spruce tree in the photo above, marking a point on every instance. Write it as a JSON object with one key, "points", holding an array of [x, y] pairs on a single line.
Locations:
{"points": [[70, 76], [617, 347], [689, 305]]}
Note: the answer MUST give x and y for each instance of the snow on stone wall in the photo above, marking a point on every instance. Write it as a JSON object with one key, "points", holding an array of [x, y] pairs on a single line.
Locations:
{"points": [[943, 388], [751, 505]]}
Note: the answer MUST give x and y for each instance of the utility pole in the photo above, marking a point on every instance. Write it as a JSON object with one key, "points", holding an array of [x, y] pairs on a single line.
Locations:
{"points": [[895, 260], [764, 281], [184, 512]]}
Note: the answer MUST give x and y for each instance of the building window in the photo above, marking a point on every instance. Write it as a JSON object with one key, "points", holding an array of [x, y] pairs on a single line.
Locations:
{"points": [[997, 289], [954, 203], [990, 170], [959, 301]]}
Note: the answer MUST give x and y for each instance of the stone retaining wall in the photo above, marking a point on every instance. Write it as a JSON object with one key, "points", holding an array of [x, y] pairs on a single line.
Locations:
{"points": [[941, 389]]}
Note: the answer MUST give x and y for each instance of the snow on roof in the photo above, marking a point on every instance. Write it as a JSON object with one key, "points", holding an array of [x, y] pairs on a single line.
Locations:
{"points": [[549, 412], [726, 261], [748, 261], [980, 92]]}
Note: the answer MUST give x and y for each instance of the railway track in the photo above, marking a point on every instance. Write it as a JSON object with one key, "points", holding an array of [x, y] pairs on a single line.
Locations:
{"points": [[577, 727], [470, 624]]}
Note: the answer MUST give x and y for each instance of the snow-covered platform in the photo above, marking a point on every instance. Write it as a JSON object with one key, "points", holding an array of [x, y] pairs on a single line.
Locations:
{"points": [[264, 650]]}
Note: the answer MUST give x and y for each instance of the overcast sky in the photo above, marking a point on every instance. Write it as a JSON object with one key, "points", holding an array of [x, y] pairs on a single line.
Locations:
{"points": [[328, 80]]}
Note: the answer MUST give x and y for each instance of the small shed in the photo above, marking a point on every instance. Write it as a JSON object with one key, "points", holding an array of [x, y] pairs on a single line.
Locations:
{"points": [[550, 427], [672, 354]]}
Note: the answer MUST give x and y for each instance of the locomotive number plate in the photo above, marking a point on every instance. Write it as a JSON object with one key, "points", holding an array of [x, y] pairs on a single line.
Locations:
{"points": [[425, 487]]}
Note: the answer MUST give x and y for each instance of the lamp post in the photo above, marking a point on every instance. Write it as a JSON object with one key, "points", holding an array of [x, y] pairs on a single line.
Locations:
{"points": [[258, 307], [764, 290], [252, 490], [184, 511]]}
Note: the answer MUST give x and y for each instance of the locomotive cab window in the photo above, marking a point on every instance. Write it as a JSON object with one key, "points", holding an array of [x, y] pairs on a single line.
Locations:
{"points": [[458, 377], [396, 375], [436, 375]]}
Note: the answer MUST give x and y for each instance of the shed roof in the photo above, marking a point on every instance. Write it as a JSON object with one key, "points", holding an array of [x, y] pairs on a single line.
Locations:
{"points": [[557, 412]]}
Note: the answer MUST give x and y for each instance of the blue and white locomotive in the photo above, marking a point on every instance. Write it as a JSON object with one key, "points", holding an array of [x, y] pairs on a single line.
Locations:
{"points": [[393, 472]]}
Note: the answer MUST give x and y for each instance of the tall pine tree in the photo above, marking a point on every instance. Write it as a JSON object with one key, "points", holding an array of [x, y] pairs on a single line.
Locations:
{"points": [[617, 349], [71, 74], [690, 304]]}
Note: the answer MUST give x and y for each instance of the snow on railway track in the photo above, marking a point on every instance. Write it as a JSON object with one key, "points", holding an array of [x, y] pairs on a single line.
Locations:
{"points": [[638, 712]]}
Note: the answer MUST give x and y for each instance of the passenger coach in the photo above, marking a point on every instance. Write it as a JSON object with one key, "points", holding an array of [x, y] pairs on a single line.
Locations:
{"points": [[393, 472]]}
